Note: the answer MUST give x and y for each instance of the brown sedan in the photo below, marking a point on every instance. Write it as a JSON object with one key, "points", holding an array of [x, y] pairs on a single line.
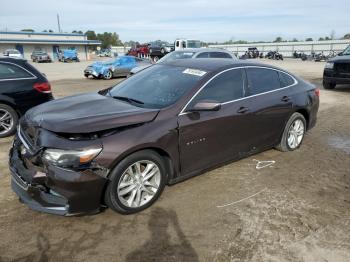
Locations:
{"points": [[167, 123]]}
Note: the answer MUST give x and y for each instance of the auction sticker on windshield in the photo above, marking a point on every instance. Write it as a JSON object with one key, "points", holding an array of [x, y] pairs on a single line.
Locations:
{"points": [[194, 72]]}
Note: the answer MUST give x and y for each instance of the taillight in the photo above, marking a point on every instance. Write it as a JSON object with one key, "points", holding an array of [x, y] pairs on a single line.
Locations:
{"points": [[317, 92], [42, 87]]}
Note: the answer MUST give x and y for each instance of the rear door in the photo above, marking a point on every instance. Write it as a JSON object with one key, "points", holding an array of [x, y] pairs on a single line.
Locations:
{"points": [[16, 85], [212, 137], [270, 106]]}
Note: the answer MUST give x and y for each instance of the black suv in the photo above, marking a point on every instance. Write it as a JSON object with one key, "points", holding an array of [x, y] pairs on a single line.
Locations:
{"points": [[21, 88], [337, 70]]}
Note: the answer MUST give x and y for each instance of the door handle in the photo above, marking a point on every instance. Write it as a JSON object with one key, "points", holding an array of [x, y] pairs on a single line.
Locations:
{"points": [[243, 110], [285, 99]]}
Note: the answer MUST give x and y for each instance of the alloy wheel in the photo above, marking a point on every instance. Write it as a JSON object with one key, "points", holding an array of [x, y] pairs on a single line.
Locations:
{"points": [[139, 184], [108, 75], [6, 121], [295, 133]]}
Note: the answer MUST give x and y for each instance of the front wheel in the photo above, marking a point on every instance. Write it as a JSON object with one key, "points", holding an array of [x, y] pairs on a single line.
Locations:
{"points": [[136, 182], [108, 75], [328, 85], [293, 133]]}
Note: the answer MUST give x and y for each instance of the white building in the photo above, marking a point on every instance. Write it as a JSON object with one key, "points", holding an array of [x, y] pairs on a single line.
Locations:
{"points": [[27, 42]]}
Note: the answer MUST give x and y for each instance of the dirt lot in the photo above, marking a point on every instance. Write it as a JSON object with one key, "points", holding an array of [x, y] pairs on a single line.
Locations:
{"points": [[297, 209]]}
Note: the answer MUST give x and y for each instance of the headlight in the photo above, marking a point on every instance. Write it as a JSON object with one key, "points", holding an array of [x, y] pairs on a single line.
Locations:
{"points": [[70, 158], [329, 65]]}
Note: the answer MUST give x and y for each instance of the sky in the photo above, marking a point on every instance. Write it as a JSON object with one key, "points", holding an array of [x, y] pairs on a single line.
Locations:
{"points": [[209, 21]]}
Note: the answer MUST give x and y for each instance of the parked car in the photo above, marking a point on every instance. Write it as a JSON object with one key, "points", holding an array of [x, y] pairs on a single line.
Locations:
{"points": [[40, 56], [68, 55], [21, 88], [113, 68], [337, 70], [158, 49], [190, 53], [181, 44], [13, 53], [169, 122]]}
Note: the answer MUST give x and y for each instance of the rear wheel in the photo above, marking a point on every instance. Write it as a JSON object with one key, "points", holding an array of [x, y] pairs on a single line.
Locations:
{"points": [[8, 120], [136, 182], [328, 85], [293, 133]]}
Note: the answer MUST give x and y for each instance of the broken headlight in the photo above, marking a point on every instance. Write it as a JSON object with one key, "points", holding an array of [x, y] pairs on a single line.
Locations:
{"points": [[70, 158]]}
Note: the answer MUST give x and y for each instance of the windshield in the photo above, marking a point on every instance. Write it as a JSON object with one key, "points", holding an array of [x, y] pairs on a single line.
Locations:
{"points": [[177, 55], [157, 86], [193, 44], [347, 51]]}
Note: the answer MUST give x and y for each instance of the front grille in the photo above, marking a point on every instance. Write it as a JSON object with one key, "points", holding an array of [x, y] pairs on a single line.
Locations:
{"points": [[343, 68]]}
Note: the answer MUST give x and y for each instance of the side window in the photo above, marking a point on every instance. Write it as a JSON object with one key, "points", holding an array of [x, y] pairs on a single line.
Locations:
{"points": [[9, 71], [262, 80], [203, 55], [219, 55], [226, 87], [285, 79]]}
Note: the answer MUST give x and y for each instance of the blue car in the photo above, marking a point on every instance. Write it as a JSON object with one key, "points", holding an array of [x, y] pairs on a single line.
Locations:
{"points": [[120, 66], [68, 55]]}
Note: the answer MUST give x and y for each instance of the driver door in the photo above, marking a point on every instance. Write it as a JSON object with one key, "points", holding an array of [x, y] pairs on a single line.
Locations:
{"points": [[208, 138]]}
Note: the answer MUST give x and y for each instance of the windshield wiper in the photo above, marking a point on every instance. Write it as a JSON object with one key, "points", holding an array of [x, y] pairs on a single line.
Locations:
{"points": [[128, 99]]}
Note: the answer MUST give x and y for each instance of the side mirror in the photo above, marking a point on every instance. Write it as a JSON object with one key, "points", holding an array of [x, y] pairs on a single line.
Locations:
{"points": [[206, 105]]}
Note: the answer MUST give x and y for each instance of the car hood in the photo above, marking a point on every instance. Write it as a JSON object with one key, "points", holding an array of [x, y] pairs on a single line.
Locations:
{"points": [[343, 58], [87, 113], [99, 67]]}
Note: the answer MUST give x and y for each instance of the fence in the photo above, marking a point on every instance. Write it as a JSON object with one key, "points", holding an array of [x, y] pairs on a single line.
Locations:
{"points": [[288, 48]]}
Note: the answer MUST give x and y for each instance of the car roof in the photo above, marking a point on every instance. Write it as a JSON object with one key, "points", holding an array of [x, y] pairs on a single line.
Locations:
{"points": [[213, 64], [12, 59], [198, 50]]}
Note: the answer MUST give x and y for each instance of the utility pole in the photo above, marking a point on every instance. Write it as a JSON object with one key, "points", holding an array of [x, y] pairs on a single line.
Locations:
{"points": [[58, 23]]}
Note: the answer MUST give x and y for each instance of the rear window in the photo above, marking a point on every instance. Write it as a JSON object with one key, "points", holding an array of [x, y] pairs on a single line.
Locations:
{"points": [[10, 71], [219, 55], [262, 80], [285, 79]]}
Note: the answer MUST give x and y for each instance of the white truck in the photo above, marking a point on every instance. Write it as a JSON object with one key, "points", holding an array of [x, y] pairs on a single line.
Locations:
{"points": [[186, 43]]}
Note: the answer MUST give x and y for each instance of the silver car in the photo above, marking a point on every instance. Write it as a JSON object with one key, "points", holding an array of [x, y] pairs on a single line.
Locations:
{"points": [[190, 54]]}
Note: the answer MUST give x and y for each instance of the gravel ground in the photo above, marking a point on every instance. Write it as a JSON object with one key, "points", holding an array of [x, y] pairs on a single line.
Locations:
{"points": [[296, 209]]}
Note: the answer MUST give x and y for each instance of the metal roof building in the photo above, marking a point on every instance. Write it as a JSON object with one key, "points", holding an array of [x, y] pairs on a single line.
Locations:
{"points": [[27, 42]]}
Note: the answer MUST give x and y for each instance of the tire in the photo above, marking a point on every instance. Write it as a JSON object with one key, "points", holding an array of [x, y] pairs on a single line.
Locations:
{"points": [[108, 75], [285, 144], [118, 198], [155, 59], [10, 122], [327, 85]]}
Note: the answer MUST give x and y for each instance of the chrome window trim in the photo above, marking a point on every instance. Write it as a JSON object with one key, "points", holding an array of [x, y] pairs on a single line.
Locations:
{"points": [[183, 112], [23, 78]]}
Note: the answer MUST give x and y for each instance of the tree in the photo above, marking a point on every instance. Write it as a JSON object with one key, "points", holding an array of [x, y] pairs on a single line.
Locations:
{"points": [[109, 39], [321, 39], [91, 35], [28, 30], [327, 38], [278, 39], [309, 39], [347, 36], [77, 32], [295, 40]]}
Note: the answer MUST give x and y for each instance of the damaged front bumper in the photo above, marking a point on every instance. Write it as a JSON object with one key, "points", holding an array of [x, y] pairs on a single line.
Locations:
{"points": [[52, 189]]}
